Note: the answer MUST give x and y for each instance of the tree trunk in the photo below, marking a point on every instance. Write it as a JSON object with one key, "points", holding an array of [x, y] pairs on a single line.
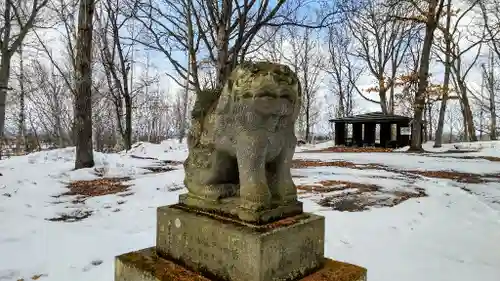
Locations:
{"points": [[5, 56], [491, 90], [423, 74], [83, 99], [444, 100], [451, 130], [308, 121], [21, 133], [391, 101], [425, 122], [120, 122], [127, 140], [383, 100], [493, 122], [433, 14], [4, 84], [58, 122], [394, 62], [341, 108], [431, 125], [467, 113], [446, 82]]}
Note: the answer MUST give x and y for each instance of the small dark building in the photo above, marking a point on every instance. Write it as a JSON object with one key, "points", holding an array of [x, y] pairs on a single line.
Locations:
{"points": [[394, 130]]}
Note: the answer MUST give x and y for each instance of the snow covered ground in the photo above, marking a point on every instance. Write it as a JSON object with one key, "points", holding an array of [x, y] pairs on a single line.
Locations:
{"points": [[450, 235], [480, 148]]}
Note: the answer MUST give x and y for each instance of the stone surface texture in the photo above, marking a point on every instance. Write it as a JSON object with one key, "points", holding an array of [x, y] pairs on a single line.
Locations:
{"points": [[231, 250], [241, 144], [145, 265]]}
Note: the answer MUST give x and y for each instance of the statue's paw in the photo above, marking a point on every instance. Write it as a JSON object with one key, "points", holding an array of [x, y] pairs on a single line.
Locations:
{"points": [[214, 191], [284, 192], [284, 200], [255, 203], [210, 192], [255, 206]]}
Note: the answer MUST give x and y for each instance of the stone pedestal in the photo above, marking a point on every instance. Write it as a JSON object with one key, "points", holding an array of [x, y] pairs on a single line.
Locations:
{"points": [[146, 265], [231, 250], [199, 245]]}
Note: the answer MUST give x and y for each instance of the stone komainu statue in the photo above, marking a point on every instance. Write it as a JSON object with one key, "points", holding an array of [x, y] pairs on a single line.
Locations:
{"points": [[241, 144]]}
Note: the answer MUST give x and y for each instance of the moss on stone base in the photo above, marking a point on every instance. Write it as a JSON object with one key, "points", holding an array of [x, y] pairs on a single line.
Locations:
{"points": [[145, 265], [338, 271]]}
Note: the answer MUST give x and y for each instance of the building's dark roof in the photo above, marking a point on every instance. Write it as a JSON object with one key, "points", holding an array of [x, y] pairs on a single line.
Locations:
{"points": [[372, 117]]}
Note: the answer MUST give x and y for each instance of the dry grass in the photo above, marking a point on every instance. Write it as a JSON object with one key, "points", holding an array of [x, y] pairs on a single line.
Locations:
{"points": [[97, 187], [74, 216], [84, 189]]}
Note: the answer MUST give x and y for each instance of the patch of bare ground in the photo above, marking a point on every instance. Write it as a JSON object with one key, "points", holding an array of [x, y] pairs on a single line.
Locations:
{"points": [[347, 196], [84, 189], [341, 149], [489, 158], [98, 187], [163, 162], [34, 277], [143, 157], [303, 163], [444, 174], [161, 166], [171, 162], [457, 176], [158, 169], [457, 151], [74, 216]]}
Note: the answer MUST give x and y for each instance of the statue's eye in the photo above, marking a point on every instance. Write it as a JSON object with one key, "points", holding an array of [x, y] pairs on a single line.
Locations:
{"points": [[287, 97], [247, 95]]}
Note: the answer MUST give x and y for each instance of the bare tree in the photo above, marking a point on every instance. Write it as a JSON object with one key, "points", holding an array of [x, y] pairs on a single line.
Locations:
{"points": [[491, 20], [103, 119], [15, 17], [307, 61], [343, 72], [382, 43], [53, 111], [83, 99], [405, 98], [271, 50], [461, 68], [491, 87], [66, 15], [456, 66], [223, 30], [427, 13], [449, 32], [116, 57], [21, 130]]}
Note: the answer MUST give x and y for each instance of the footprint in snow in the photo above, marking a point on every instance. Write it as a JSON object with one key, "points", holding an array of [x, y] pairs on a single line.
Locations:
{"points": [[94, 263]]}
